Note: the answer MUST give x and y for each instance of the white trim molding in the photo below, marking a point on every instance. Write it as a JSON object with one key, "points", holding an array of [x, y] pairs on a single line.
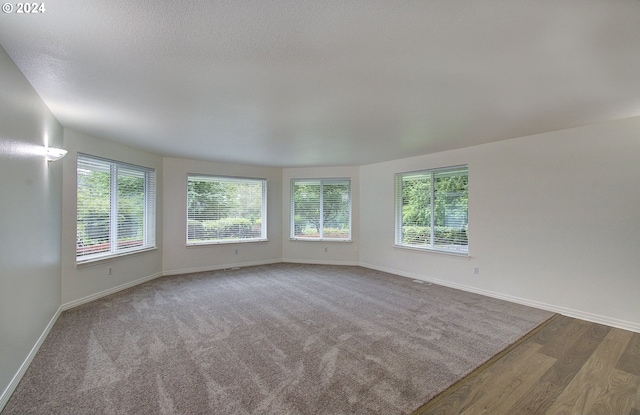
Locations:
{"points": [[92, 297], [11, 387], [594, 318], [219, 267], [320, 262], [6, 394]]}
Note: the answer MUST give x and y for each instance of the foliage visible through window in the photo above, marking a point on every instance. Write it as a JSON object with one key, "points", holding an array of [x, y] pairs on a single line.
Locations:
{"points": [[321, 209], [432, 209], [225, 209], [115, 208]]}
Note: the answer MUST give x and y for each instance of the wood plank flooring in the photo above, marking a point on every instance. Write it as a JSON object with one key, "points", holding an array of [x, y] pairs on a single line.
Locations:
{"points": [[566, 366]]}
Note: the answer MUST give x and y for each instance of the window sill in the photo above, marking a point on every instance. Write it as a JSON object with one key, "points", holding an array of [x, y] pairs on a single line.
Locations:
{"points": [[442, 252], [107, 258], [320, 240], [224, 242]]}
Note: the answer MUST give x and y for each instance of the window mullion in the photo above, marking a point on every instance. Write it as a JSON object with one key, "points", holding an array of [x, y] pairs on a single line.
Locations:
{"points": [[399, 231], [113, 211], [432, 199], [263, 210], [292, 210], [145, 216], [321, 210]]}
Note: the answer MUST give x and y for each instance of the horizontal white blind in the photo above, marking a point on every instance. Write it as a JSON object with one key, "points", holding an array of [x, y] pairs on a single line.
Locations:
{"points": [[306, 209], [432, 209], [321, 209], [115, 208], [131, 208], [336, 209], [415, 209], [225, 209], [93, 208], [450, 201]]}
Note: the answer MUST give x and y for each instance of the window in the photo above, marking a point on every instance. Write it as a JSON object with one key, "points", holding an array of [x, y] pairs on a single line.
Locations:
{"points": [[225, 209], [431, 209], [321, 209], [115, 208]]}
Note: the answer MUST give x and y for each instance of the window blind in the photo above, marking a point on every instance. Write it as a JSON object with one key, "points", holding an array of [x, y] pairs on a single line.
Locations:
{"points": [[115, 208], [225, 209], [432, 209], [321, 209]]}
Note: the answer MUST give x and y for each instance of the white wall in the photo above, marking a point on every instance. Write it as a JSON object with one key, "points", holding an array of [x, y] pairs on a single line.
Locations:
{"points": [[88, 281], [320, 252], [553, 221], [30, 204], [180, 258]]}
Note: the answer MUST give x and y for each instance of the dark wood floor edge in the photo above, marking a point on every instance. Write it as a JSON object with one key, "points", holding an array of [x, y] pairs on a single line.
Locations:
{"points": [[442, 395]]}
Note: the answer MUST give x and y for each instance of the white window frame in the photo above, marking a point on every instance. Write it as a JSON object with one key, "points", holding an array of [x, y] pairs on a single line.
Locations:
{"points": [[228, 179], [454, 249], [322, 182], [89, 162]]}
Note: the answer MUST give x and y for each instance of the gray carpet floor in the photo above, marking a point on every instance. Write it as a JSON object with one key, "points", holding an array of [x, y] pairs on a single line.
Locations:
{"points": [[275, 339]]}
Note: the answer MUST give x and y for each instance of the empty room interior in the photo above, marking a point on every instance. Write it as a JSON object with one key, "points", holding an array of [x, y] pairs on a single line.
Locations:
{"points": [[320, 207]]}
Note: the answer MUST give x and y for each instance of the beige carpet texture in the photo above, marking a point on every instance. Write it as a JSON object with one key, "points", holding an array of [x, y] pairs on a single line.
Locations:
{"points": [[276, 339]]}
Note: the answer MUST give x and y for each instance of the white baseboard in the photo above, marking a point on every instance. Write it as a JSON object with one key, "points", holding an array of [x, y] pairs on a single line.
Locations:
{"points": [[219, 267], [142, 280], [6, 394], [320, 262], [110, 291], [582, 315]]}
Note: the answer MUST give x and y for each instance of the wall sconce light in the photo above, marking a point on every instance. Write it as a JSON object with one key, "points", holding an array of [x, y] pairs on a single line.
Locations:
{"points": [[53, 154]]}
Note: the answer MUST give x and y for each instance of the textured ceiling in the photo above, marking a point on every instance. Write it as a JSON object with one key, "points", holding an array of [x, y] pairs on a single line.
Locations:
{"points": [[308, 83]]}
